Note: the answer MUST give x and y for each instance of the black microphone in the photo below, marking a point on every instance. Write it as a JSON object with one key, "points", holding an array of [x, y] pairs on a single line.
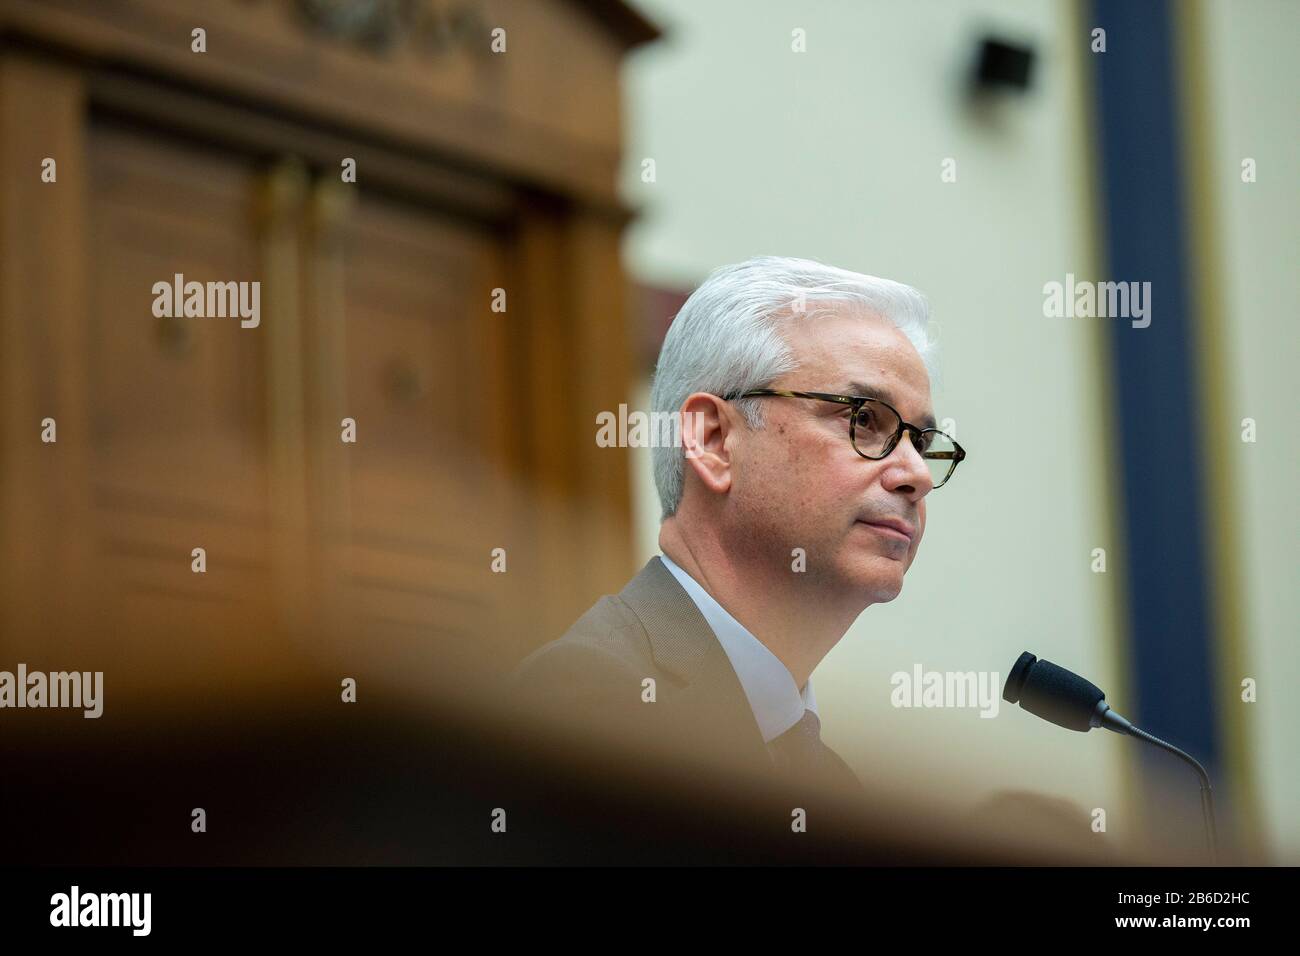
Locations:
{"points": [[1070, 701]]}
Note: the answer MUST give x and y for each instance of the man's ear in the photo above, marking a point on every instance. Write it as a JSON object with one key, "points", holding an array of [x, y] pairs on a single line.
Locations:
{"points": [[706, 423]]}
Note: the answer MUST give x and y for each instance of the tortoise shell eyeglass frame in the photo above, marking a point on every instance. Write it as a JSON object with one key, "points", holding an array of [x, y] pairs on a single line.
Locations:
{"points": [[858, 402]]}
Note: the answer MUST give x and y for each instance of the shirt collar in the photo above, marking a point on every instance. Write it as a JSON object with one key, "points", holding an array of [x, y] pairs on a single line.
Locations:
{"points": [[773, 697]]}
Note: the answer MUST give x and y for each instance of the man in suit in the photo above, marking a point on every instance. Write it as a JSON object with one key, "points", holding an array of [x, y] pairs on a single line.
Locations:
{"points": [[793, 497]]}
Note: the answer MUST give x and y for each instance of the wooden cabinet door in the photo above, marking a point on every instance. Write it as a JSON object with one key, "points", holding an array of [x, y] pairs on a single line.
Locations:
{"points": [[421, 375], [178, 419], [395, 331]]}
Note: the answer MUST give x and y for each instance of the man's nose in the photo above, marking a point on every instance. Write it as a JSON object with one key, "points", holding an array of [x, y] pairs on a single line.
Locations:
{"points": [[907, 472]]}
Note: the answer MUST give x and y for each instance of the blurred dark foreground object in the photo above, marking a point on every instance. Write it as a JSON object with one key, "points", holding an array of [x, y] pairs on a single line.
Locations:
{"points": [[1047, 820], [335, 784]]}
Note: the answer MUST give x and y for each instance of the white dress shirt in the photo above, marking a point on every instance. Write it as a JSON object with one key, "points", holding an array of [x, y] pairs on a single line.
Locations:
{"points": [[773, 697]]}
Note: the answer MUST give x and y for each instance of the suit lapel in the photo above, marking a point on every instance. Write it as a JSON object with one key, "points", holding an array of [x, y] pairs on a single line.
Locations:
{"points": [[683, 645], [712, 704], [681, 641]]}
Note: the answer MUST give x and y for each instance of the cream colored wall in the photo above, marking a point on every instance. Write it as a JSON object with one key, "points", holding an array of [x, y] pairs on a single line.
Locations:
{"points": [[835, 154], [1250, 81]]}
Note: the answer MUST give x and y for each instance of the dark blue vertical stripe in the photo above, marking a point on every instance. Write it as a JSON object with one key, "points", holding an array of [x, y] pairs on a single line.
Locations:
{"points": [[1157, 431]]}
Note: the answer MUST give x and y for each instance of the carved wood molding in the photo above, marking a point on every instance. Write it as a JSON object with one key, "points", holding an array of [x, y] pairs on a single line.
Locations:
{"points": [[433, 27], [546, 114]]}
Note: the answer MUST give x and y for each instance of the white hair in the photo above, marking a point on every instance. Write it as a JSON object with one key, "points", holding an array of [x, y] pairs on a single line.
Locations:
{"points": [[727, 339]]}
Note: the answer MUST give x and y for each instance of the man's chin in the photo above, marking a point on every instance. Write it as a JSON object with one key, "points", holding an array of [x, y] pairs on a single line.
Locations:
{"points": [[880, 585], [883, 593]]}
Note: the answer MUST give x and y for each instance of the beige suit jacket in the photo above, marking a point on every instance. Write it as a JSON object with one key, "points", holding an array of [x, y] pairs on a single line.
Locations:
{"points": [[596, 677]]}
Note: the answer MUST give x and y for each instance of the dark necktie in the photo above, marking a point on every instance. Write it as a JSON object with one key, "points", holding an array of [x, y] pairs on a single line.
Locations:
{"points": [[800, 749]]}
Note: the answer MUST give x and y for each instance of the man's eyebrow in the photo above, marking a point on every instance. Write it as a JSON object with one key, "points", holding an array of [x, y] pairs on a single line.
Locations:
{"points": [[884, 394]]}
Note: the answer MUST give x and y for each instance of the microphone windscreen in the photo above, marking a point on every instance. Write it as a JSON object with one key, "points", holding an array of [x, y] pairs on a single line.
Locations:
{"points": [[1053, 693]]}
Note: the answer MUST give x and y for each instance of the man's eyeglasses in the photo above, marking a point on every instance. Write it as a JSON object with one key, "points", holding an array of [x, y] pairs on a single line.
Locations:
{"points": [[875, 428]]}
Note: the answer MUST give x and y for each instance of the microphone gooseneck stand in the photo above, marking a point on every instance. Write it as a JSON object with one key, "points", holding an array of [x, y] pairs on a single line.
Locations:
{"points": [[1064, 698], [1106, 717]]}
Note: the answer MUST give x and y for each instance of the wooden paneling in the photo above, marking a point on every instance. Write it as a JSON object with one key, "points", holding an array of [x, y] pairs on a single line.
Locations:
{"points": [[180, 417], [475, 428], [45, 552], [426, 501], [547, 110]]}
